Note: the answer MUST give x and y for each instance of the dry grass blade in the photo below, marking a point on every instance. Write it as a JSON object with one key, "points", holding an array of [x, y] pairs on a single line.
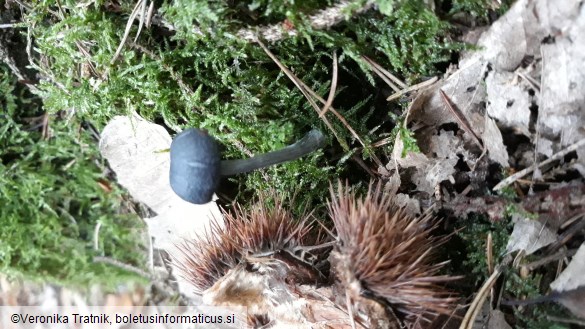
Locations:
{"points": [[568, 234], [461, 119], [561, 254], [307, 90], [396, 84], [333, 88], [341, 119], [142, 18], [490, 253], [46, 133], [300, 86], [140, 7], [22, 4], [576, 322], [531, 81], [477, 303], [479, 299], [149, 14], [415, 87]]}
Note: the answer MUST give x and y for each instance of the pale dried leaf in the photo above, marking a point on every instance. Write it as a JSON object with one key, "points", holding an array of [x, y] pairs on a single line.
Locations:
{"points": [[545, 147], [572, 277], [510, 38], [563, 77], [529, 235], [137, 151], [509, 101], [574, 301], [571, 284], [411, 205], [497, 320], [392, 182], [494, 143]]}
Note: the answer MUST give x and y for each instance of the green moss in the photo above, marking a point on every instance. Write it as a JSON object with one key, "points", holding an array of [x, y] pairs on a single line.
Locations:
{"points": [[412, 38], [475, 234], [480, 9], [51, 202]]}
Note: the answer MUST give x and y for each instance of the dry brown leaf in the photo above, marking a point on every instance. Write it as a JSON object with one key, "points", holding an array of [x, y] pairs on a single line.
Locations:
{"points": [[529, 235], [497, 320], [571, 284], [572, 277]]}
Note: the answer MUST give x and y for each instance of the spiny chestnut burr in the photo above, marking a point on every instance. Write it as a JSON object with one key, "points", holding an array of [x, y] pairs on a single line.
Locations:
{"points": [[377, 273], [383, 262], [262, 258], [196, 165], [248, 235]]}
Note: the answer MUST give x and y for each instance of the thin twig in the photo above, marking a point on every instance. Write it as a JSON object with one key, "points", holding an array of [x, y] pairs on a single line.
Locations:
{"points": [[7, 58], [46, 132], [381, 74], [117, 263], [308, 92], [565, 320], [343, 121], [524, 172], [551, 258], [31, 62], [142, 19], [568, 234], [87, 56], [461, 118], [364, 166], [570, 221], [336, 113], [533, 83], [149, 14], [26, 6]]}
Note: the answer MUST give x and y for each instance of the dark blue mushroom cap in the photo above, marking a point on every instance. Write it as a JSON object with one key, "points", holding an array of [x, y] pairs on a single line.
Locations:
{"points": [[195, 166]]}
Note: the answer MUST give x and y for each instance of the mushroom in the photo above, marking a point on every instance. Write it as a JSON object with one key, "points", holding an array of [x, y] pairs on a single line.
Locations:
{"points": [[196, 166]]}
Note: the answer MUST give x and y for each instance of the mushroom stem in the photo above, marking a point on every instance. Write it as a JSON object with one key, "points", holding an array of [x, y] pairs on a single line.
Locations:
{"points": [[312, 141]]}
